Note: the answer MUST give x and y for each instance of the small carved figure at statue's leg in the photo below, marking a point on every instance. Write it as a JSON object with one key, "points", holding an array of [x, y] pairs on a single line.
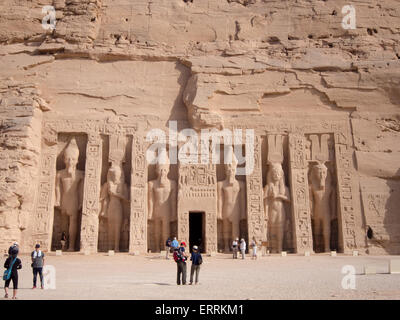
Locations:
{"points": [[73, 229], [318, 233], [225, 232], [165, 230], [110, 233], [279, 238], [235, 231], [157, 234], [117, 235], [327, 235]]}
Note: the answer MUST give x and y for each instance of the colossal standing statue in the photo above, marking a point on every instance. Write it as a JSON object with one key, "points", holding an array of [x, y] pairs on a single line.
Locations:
{"points": [[162, 199], [231, 203], [275, 194], [69, 190], [323, 204], [114, 198]]}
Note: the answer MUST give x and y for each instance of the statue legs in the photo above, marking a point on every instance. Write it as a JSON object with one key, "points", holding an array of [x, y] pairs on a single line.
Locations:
{"points": [[276, 231], [114, 233], [320, 235], [157, 234], [326, 231], [165, 229], [225, 232], [279, 237], [235, 230], [73, 230]]}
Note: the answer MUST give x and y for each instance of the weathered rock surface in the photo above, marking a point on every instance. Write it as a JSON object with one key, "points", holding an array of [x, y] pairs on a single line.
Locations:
{"points": [[204, 63]]}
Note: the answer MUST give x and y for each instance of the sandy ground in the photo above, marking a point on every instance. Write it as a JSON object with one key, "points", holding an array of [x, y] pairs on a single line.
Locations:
{"points": [[125, 276]]}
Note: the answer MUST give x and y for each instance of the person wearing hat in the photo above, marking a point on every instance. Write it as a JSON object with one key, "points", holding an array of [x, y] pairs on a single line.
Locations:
{"points": [[197, 260], [37, 265], [235, 247]]}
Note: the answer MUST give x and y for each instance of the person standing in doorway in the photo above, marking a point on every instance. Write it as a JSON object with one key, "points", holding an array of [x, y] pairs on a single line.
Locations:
{"points": [[12, 264], [235, 248], [243, 248], [253, 245], [63, 241], [167, 247], [37, 265], [197, 260]]}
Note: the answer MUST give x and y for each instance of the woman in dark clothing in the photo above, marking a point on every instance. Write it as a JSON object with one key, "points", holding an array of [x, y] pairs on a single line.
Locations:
{"points": [[14, 275]]}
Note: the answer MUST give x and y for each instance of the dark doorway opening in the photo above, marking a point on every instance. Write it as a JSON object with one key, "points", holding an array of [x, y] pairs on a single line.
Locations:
{"points": [[196, 230]]}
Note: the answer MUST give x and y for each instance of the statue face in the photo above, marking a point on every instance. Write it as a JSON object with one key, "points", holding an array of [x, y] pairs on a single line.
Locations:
{"points": [[162, 171], [230, 170], [70, 160], [114, 174], [276, 172], [321, 172]]}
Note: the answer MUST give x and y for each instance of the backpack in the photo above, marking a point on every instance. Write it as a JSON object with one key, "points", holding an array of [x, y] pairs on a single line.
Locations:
{"points": [[178, 257], [7, 273]]}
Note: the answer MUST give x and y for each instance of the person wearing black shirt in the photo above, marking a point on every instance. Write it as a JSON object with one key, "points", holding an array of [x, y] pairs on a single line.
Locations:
{"points": [[197, 260], [14, 275]]}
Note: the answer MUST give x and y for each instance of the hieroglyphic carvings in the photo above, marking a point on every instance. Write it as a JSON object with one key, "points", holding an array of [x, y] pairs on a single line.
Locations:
{"points": [[43, 218], [138, 196], [256, 218], [346, 215], [198, 192], [91, 195], [300, 193]]}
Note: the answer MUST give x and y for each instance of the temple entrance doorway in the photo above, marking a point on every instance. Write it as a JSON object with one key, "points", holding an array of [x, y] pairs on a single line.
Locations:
{"points": [[196, 229]]}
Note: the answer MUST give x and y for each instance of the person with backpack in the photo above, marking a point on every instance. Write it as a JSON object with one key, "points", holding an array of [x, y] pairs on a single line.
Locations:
{"points": [[37, 265], [197, 260], [180, 259], [167, 247], [12, 264]]}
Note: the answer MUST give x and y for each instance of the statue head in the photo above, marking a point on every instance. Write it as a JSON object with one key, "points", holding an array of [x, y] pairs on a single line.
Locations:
{"points": [[275, 172], [230, 168], [115, 174], [162, 168], [319, 174], [71, 154]]}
